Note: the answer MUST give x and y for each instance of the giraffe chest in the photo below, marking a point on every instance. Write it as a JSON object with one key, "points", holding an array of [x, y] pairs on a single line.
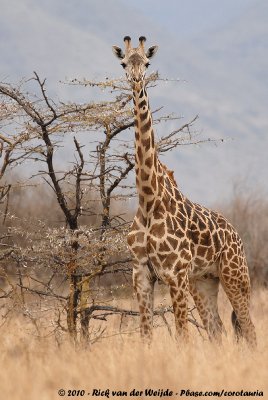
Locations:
{"points": [[168, 242], [149, 234], [158, 235]]}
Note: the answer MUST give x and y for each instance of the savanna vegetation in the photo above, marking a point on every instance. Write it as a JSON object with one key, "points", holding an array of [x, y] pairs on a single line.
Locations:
{"points": [[68, 315]]}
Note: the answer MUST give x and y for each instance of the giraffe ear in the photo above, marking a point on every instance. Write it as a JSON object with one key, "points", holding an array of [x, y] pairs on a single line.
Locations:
{"points": [[151, 51], [118, 52]]}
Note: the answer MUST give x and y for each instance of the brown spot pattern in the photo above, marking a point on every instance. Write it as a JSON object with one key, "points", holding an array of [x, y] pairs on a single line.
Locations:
{"points": [[181, 234]]}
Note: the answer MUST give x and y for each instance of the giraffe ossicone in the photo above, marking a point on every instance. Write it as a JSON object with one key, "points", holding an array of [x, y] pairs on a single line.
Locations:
{"points": [[187, 246]]}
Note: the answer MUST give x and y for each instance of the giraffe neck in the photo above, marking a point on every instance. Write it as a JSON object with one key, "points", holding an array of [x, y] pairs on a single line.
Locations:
{"points": [[146, 162]]}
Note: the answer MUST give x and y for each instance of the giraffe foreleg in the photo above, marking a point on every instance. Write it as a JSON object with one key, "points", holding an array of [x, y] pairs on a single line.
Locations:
{"points": [[143, 283], [178, 286]]}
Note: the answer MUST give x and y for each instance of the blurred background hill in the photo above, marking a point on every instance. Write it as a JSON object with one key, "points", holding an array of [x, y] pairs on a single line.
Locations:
{"points": [[217, 50]]}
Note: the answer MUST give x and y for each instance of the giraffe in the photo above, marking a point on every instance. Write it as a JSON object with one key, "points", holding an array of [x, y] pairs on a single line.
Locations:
{"points": [[188, 247]]}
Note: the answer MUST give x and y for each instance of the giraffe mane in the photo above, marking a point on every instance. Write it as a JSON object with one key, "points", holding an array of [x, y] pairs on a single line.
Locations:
{"points": [[170, 174]]}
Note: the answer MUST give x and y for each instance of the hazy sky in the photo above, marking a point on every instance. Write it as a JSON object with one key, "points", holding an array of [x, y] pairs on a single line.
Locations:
{"points": [[187, 18], [218, 49]]}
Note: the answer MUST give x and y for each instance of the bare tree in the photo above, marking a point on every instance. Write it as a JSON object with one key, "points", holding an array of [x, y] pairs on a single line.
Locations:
{"points": [[86, 187], [11, 144]]}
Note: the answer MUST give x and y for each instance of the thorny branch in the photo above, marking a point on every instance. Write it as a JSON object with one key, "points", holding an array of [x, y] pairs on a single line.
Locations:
{"points": [[97, 179]]}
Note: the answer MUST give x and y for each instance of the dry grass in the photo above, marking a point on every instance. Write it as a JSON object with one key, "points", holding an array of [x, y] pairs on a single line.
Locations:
{"points": [[36, 368]]}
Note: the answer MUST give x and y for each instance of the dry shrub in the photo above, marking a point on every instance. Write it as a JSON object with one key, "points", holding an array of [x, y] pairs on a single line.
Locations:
{"points": [[38, 201], [248, 212]]}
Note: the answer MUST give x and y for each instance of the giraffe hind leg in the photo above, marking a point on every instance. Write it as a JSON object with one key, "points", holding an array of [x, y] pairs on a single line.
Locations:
{"points": [[235, 280], [236, 326], [205, 294]]}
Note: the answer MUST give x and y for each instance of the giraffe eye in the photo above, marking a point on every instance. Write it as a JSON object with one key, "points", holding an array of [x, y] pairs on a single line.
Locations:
{"points": [[147, 64], [123, 65]]}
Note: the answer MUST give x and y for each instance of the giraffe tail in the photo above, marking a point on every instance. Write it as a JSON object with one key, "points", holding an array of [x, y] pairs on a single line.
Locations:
{"points": [[236, 326]]}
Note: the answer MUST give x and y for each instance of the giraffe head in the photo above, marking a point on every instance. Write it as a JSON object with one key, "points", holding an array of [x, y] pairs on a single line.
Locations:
{"points": [[135, 61]]}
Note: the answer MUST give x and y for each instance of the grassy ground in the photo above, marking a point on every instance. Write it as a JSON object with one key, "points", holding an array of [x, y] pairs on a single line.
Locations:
{"points": [[33, 369]]}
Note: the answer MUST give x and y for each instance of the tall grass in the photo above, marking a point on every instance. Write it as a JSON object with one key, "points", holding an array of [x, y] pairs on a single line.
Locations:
{"points": [[36, 368]]}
